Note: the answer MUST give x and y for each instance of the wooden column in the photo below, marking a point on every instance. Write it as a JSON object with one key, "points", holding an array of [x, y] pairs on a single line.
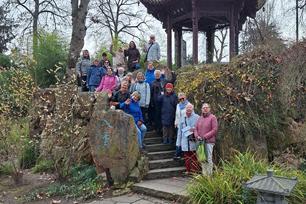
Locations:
{"points": [[178, 47], [237, 42], [169, 42], [233, 33], [210, 44], [195, 30]]}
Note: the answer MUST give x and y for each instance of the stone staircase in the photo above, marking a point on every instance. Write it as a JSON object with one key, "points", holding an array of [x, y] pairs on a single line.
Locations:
{"points": [[165, 177]]}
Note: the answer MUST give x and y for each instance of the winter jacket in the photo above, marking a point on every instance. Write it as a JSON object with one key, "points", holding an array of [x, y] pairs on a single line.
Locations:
{"points": [[94, 75], [179, 113], [168, 106], [149, 75], [183, 140], [133, 109], [207, 128], [153, 52], [156, 88], [108, 83], [132, 54], [120, 97], [83, 66], [144, 89]]}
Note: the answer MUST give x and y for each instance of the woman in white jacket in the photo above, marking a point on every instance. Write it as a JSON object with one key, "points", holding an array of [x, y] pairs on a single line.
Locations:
{"points": [[180, 112]]}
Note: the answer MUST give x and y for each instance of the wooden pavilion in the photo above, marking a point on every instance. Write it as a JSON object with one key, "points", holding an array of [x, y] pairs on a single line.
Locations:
{"points": [[201, 16]]}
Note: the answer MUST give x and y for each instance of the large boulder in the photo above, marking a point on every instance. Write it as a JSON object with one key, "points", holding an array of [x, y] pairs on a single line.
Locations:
{"points": [[113, 141]]}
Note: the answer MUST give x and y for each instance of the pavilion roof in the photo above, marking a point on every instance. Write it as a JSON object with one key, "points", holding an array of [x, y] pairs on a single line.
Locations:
{"points": [[213, 12], [260, 3]]}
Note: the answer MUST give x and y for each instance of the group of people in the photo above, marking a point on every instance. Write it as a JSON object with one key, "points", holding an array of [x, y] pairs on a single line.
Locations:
{"points": [[150, 98]]}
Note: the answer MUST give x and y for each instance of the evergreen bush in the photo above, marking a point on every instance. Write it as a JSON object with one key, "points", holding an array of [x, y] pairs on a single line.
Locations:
{"points": [[50, 56]]}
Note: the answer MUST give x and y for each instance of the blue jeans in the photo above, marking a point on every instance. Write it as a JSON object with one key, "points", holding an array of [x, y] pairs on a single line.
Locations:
{"points": [[141, 131]]}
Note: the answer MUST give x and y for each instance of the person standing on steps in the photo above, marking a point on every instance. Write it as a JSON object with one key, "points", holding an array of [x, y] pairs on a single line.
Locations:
{"points": [[157, 89], [152, 51], [144, 89], [94, 76], [82, 68], [133, 55], [104, 58], [168, 103], [118, 58], [186, 127], [180, 112], [206, 129]]}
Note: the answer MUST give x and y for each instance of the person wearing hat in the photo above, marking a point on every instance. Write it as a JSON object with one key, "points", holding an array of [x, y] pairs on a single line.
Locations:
{"points": [[131, 106], [168, 102]]}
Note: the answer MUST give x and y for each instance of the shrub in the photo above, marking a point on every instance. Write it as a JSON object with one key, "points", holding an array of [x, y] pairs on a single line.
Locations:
{"points": [[16, 88], [6, 168], [226, 184], [5, 61], [43, 166], [84, 182], [50, 56], [13, 141], [29, 155]]}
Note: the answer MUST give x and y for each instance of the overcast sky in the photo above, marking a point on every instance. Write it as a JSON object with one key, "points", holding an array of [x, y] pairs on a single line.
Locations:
{"points": [[283, 16]]}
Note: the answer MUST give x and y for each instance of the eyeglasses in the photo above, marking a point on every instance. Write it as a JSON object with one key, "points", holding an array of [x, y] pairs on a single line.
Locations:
{"points": [[181, 99], [205, 107]]}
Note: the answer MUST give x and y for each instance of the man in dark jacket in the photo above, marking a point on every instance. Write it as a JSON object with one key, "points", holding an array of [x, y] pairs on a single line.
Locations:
{"points": [[121, 95], [168, 102], [157, 88]]}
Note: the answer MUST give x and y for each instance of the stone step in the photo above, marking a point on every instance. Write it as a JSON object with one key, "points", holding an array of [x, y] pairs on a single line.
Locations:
{"points": [[152, 134], [159, 147], [165, 163], [153, 140], [173, 189], [165, 173], [161, 155]]}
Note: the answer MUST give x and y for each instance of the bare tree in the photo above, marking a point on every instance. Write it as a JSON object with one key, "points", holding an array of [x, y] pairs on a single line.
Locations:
{"points": [[32, 10], [79, 14], [6, 29], [219, 51], [120, 17], [262, 30]]}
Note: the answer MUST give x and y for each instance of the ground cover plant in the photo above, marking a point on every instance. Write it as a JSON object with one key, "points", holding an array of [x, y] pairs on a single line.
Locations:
{"points": [[226, 184]]}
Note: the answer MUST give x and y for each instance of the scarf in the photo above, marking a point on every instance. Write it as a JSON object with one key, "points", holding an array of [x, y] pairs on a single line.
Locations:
{"points": [[183, 104]]}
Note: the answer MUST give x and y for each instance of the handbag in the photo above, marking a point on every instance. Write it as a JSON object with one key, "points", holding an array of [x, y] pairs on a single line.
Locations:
{"points": [[190, 137], [201, 155]]}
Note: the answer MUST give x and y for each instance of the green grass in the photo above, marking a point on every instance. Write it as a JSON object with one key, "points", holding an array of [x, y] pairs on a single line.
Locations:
{"points": [[226, 184]]}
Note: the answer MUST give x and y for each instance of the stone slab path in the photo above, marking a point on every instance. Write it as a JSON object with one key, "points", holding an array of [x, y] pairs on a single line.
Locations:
{"points": [[131, 198], [169, 188]]}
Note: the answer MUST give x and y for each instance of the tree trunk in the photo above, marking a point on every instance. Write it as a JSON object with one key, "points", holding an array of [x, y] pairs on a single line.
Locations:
{"points": [[35, 27], [79, 13]]}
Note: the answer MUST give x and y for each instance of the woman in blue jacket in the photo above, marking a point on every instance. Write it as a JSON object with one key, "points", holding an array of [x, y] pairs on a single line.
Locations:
{"points": [[131, 106], [94, 76]]}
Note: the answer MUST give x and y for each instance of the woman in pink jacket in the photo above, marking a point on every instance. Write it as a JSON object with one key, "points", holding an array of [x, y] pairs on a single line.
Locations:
{"points": [[206, 129], [108, 82]]}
